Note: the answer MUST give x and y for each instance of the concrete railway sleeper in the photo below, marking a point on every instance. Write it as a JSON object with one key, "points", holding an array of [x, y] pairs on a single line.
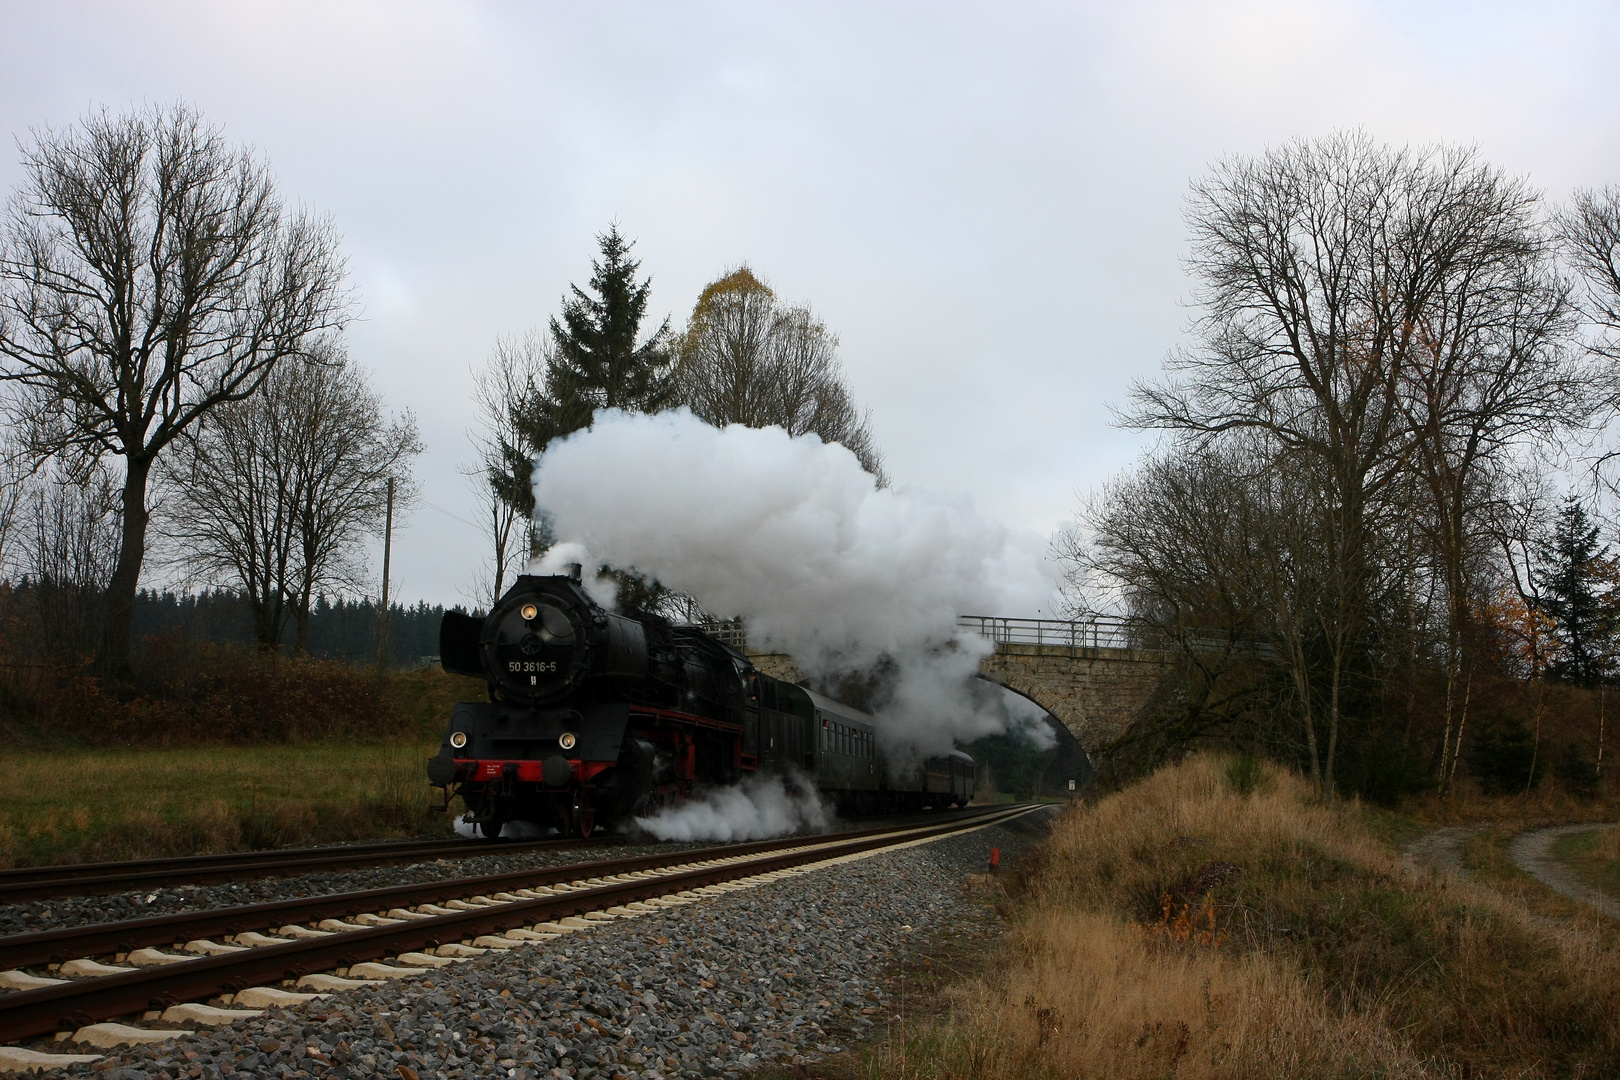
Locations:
{"points": [[253, 969], [99, 939]]}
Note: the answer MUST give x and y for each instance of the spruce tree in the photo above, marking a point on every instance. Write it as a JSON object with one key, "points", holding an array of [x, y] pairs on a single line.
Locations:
{"points": [[1574, 597], [595, 360]]}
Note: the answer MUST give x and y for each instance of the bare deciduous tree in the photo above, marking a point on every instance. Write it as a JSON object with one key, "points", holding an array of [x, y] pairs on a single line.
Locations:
{"points": [[68, 537], [747, 359], [280, 490], [13, 478], [1365, 307], [1590, 229], [149, 273], [1215, 548], [502, 389], [1489, 370]]}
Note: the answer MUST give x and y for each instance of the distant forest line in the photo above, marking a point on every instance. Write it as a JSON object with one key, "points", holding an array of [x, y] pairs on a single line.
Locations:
{"points": [[340, 629]]}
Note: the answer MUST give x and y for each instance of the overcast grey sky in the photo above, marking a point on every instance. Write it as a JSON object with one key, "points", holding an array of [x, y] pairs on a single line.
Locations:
{"points": [[983, 201]]}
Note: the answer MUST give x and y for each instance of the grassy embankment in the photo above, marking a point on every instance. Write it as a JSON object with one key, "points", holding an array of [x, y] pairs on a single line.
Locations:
{"points": [[64, 802], [1212, 921]]}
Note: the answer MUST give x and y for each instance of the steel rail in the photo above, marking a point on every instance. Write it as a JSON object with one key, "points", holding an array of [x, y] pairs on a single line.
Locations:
{"points": [[29, 1013], [93, 879], [98, 939]]}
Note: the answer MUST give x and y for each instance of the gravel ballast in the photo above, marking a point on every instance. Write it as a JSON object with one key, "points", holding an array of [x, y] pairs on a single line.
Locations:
{"points": [[786, 972], [67, 911]]}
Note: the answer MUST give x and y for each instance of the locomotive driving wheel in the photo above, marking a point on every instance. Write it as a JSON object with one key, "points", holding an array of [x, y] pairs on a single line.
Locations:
{"points": [[581, 819]]}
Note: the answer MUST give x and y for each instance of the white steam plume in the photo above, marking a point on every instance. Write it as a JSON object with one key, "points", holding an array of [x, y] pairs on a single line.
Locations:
{"points": [[1027, 721], [758, 808], [793, 536]]}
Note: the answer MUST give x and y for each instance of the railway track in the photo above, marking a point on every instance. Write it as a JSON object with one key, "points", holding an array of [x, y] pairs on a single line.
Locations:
{"points": [[265, 947], [100, 879]]}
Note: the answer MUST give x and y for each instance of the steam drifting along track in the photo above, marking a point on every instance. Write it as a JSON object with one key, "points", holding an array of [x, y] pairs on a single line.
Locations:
{"points": [[543, 897], [99, 879]]}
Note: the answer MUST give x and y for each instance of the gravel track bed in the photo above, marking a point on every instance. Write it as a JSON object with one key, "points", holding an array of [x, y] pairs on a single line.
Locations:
{"points": [[786, 972], [83, 910]]}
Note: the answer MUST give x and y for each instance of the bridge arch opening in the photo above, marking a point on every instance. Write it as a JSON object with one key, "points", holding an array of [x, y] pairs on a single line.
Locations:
{"points": [[1072, 761]]}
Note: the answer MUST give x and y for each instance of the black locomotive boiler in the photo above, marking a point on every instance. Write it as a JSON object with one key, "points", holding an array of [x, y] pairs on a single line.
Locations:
{"points": [[594, 717]]}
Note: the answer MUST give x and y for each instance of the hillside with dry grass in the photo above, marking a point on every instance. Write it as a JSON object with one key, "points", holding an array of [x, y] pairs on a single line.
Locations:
{"points": [[1213, 921]]}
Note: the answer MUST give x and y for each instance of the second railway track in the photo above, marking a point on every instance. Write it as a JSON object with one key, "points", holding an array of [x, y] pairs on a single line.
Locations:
{"points": [[100, 879], [494, 911]]}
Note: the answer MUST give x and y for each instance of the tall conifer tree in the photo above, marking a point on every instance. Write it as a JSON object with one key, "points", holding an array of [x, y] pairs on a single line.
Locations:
{"points": [[1574, 596], [595, 360]]}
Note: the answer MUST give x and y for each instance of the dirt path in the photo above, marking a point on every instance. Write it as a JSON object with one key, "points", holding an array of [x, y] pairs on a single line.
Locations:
{"points": [[1533, 853]]}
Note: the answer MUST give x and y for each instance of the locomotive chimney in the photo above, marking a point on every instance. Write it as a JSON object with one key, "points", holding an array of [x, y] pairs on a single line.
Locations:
{"points": [[576, 571]]}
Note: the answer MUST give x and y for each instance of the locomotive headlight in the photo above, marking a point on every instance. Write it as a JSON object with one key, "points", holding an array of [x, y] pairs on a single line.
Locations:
{"points": [[566, 740], [458, 739], [529, 612]]}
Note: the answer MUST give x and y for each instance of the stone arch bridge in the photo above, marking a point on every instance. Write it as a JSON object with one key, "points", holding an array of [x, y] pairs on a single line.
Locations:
{"points": [[1089, 675], [1086, 674]]}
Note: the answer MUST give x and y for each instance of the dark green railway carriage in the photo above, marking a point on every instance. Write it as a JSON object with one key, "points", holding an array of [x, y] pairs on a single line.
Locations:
{"points": [[836, 745], [846, 754]]}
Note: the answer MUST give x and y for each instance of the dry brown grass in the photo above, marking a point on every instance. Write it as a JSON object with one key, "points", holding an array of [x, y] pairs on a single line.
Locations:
{"points": [[1327, 958], [1548, 804], [1608, 844], [1091, 996]]}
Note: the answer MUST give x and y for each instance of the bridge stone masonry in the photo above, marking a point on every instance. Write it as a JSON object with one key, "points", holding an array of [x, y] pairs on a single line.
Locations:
{"points": [[1086, 674]]}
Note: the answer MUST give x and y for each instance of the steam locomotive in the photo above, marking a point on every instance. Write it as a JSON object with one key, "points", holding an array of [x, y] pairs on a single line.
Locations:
{"points": [[594, 717]]}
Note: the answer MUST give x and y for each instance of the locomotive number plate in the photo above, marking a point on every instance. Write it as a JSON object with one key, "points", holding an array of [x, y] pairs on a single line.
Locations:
{"points": [[527, 667]]}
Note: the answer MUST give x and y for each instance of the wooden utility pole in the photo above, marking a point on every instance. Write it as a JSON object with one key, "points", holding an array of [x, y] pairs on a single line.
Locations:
{"points": [[388, 544]]}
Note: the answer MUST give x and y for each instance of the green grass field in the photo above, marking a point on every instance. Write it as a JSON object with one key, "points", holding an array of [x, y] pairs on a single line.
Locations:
{"points": [[90, 805], [64, 802]]}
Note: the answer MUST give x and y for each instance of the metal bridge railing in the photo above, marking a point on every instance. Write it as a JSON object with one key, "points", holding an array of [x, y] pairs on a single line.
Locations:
{"points": [[1099, 633], [730, 632]]}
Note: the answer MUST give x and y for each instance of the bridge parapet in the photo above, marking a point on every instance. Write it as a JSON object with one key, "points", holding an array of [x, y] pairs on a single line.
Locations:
{"points": [[1102, 632], [1095, 676]]}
